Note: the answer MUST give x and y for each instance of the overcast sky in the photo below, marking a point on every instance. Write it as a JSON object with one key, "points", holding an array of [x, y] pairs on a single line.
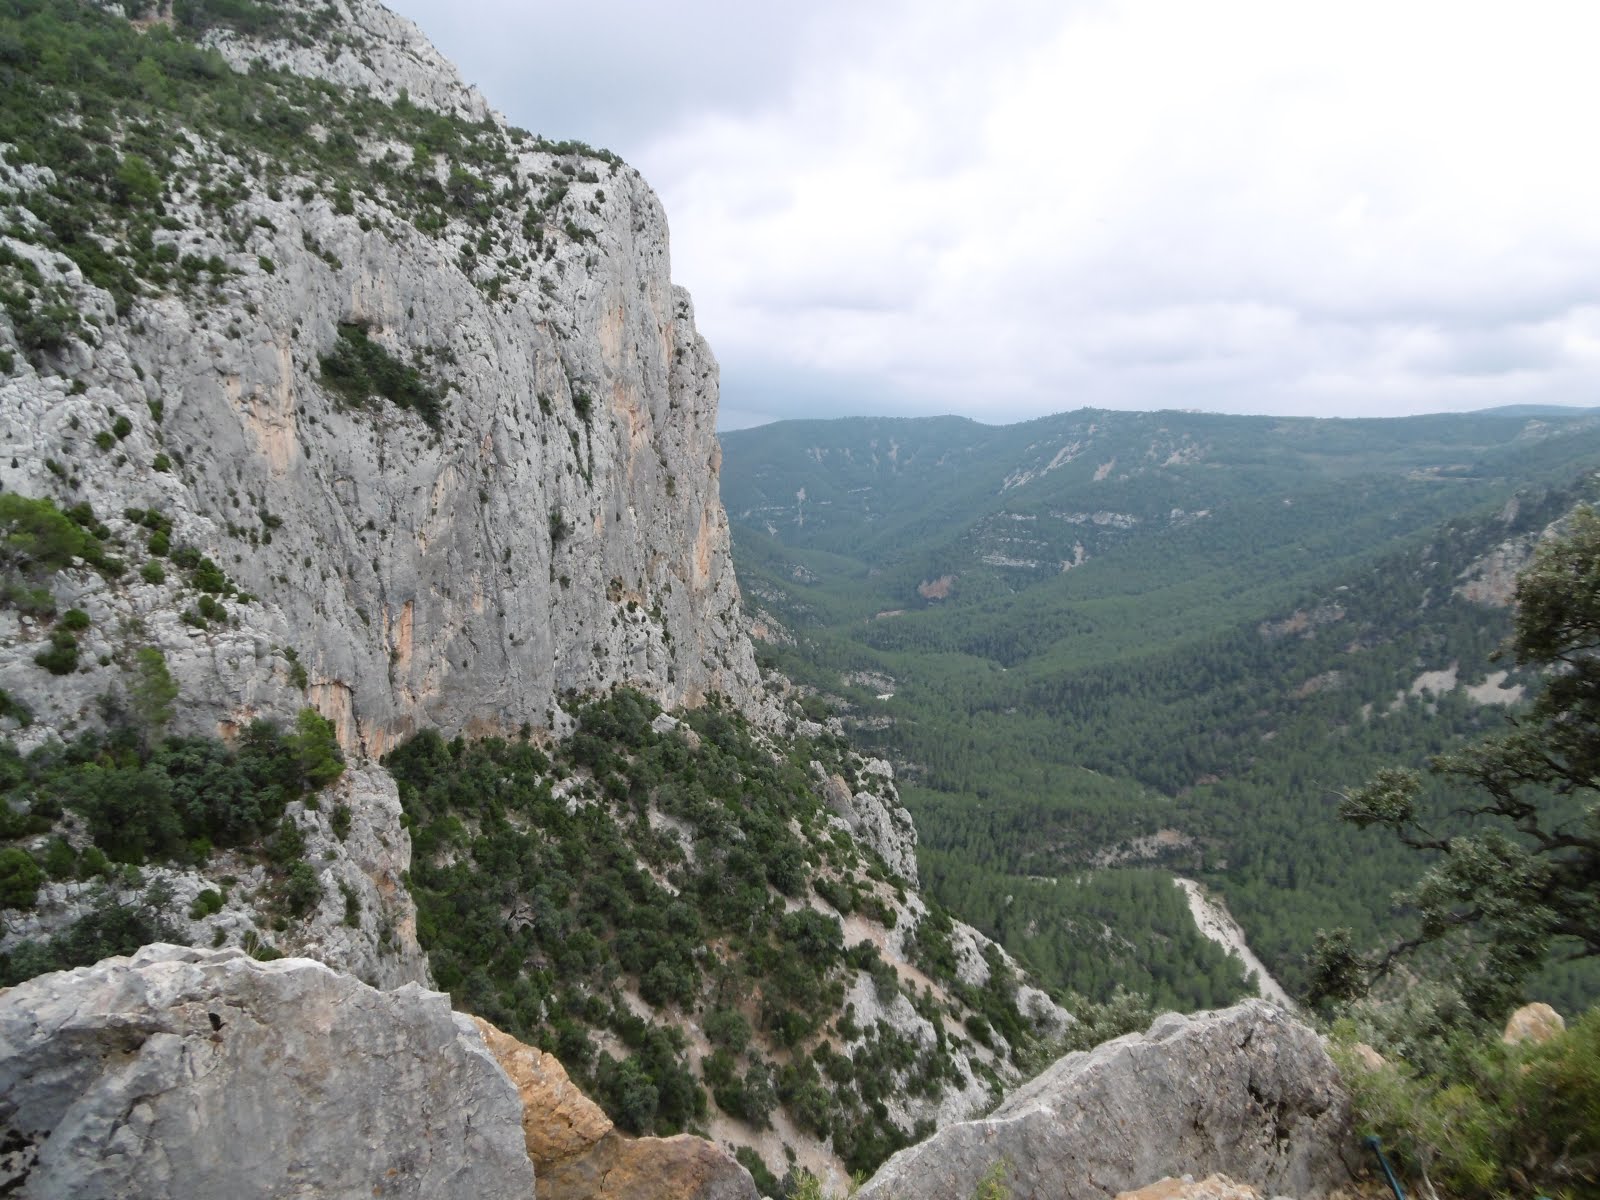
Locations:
{"points": [[1325, 207]]}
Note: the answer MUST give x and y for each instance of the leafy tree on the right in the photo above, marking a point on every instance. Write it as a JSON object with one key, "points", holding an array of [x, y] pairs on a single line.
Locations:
{"points": [[1524, 883]]}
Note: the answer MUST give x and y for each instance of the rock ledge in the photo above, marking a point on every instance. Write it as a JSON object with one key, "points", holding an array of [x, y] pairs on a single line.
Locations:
{"points": [[1245, 1091]]}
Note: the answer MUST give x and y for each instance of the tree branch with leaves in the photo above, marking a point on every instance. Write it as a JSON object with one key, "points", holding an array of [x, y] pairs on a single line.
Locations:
{"points": [[1523, 882]]}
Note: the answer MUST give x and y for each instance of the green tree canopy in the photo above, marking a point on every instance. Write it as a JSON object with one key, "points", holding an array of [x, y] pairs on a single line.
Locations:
{"points": [[1525, 883], [36, 538]]}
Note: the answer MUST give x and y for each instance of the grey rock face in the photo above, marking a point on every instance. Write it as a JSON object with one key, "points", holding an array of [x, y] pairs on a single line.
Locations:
{"points": [[366, 921], [391, 58], [874, 816], [189, 1073], [561, 530], [1245, 1091]]}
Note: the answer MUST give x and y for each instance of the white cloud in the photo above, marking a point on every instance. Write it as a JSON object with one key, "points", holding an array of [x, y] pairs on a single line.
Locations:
{"points": [[1005, 210]]}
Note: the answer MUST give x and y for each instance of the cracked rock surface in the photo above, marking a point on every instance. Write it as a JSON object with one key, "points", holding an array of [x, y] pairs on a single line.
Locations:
{"points": [[204, 1073], [1246, 1091]]}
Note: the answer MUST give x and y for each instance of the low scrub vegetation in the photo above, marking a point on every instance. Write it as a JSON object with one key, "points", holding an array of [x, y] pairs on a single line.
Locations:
{"points": [[358, 369], [143, 797], [553, 882], [1460, 1111]]}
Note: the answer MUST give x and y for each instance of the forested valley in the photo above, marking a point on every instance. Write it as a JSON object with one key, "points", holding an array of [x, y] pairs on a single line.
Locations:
{"points": [[1104, 648]]}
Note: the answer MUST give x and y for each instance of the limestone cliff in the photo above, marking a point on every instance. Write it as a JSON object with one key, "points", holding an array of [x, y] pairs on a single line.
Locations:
{"points": [[555, 527], [366, 401]]}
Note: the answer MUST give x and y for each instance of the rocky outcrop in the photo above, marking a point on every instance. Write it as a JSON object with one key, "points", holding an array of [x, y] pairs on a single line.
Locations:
{"points": [[200, 1073], [578, 1155], [1492, 579], [674, 1168], [365, 922], [1365, 1057], [1246, 1091], [391, 58], [1212, 1187], [1537, 1023], [558, 1120], [873, 815]]}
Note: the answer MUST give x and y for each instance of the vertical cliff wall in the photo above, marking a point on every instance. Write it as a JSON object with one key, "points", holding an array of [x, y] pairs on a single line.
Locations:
{"points": [[537, 513]]}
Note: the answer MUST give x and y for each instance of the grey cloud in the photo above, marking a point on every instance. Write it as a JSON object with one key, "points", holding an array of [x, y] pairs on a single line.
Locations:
{"points": [[929, 207], [616, 73], [780, 391], [874, 294]]}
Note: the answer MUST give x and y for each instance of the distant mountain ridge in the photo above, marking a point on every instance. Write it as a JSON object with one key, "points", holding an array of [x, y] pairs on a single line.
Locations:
{"points": [[966, 467]]}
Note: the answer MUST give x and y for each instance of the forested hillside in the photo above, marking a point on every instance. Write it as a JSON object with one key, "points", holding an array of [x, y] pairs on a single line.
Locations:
{"points": [[1102, 643]]}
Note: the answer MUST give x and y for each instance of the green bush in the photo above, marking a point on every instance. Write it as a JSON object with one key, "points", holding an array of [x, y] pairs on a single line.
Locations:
{"points": [[62, 656], [302, 890], [1480, 1119], [147, 798], [727, 1028], [34, 601], [766, 1182], [11, 707], [1124, 1012], [358, 368], [208, 577], [60, 859], [20, 878], [352, 905], [37, 539], [111, 926], [316, 750]]}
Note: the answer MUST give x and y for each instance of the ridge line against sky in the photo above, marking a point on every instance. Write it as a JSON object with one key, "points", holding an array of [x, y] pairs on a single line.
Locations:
{"points": [[1006, 210]]}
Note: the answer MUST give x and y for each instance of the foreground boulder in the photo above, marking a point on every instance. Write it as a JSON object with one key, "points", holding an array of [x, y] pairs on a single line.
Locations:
{"points": [[673, 1168], [1536, 1023], [578, 1155], [1213, 1187], [204, 1073], [1247, 1091]]}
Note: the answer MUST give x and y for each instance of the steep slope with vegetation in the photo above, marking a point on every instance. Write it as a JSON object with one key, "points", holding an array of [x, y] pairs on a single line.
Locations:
{"points": [[1509, 880], [295, 334], [1152, 640], [668, 905]]}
